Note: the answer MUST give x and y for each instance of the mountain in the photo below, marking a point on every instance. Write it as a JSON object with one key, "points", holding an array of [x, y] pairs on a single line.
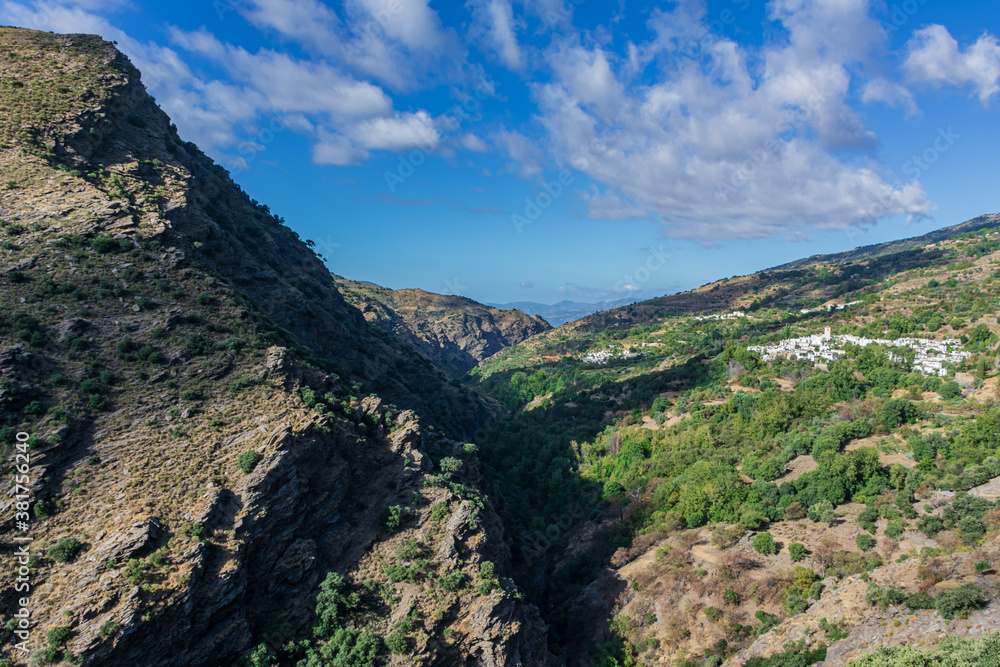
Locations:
{"points": [[795, 467], [560, 313], [453, 331], [225, 457], [803, 284], [221, 454]]}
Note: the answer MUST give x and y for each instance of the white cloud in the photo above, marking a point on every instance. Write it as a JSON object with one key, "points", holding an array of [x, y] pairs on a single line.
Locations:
{"points": [[528, 157], [410, 22], [496, 25], [401, 43], [609, 206], [400, 132], [891, 94], [337, 150], [724, 141], [473, 143], [309, 22], [934, 57], [587, 76]]}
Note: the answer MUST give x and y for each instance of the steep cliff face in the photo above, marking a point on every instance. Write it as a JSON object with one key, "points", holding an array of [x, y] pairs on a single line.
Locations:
{"points": [[452, 331], [215, 431]]}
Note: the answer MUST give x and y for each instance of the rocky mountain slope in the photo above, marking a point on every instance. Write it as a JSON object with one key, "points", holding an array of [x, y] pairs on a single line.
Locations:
{"points": [[453, 331], [226, 461]]}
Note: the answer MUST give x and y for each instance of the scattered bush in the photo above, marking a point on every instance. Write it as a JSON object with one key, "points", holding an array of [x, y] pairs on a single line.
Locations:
{"points": [[65, 549], [452, 582], [797, 551], [248, 460], [920, 600], [763, 543], [392, 517], [955, 601], [865, 541]]}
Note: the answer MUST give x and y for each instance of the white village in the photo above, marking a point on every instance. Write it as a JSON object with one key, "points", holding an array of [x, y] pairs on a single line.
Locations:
{"points": [[931, 355], [602, 357]]}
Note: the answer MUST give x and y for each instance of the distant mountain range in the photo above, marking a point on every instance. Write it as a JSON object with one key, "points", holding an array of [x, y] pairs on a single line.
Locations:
{"points": [[564, 311]]}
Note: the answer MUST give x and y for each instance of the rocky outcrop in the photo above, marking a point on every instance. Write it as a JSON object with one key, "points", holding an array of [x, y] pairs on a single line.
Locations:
{"points": [[452, 331], [200, 431]]}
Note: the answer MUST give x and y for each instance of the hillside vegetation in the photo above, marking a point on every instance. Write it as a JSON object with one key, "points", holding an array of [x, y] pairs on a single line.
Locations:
{"points": [[228, 465], [696, 505]]}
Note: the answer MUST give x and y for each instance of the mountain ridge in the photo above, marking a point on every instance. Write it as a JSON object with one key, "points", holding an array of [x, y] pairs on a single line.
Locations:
{"points": [[218, 439], [456, 332]]}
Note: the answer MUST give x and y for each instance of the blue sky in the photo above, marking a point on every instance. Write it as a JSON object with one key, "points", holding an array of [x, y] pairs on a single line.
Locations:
{"points": [[548, 149]]}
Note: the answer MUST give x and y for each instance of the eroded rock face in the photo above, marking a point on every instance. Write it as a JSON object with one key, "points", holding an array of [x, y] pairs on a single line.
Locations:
{"points": [[453, 331], [210, 499]]}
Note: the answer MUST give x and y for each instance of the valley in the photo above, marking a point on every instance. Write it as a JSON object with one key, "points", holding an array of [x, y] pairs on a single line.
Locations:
{"points": [[237, 457]]}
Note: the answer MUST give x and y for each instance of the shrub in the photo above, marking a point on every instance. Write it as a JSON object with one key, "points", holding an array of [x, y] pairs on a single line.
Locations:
{"points": [[930, 525], [950, 390], [730, 596], [763, 543], [883, 597], [248, 460], [952, 602], [713, 614], [65, 549], [109, 629], [865, 542], [199, 345], [452, 581], [439, 511], [723, 538], [794, 604], [392, 517], [450, 465], [106, 244], [43, 509], [795, 511], [920, 600], [34, 408], [397, 643], [896, 528], [797, 551], [58, 636], [333, 603], [983, 566], [815, 590]]}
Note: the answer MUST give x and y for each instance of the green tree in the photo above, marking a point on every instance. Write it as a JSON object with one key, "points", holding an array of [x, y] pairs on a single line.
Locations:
{"points": [[764, 543]]}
